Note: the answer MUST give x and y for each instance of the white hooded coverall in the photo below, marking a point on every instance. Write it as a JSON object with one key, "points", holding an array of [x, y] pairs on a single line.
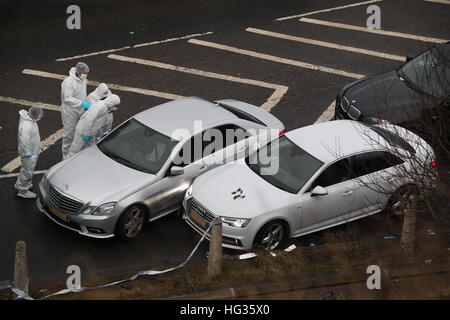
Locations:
{"points": [[105, 123], [73, 92], [29, 144], [89, 124]]}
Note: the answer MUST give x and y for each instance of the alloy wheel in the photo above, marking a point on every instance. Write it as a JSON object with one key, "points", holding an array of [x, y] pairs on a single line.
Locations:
{"points": [[272, 236], [134, 222]]}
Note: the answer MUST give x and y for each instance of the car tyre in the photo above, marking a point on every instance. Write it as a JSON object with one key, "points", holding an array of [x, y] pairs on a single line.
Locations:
{"points": [[272, 235], [131, 222], [398, 202]]}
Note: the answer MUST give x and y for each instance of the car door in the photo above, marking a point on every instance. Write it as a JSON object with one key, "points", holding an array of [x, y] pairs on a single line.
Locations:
{"points": [[200, 153], [319, 212], [377, 174]]}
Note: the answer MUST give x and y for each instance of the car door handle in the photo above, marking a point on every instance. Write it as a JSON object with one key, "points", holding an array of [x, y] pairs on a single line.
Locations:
{"points": [[203, 167], [347, 193]]}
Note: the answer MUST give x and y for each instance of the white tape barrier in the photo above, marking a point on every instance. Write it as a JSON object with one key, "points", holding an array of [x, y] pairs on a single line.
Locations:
{"points": [[25, 296]]}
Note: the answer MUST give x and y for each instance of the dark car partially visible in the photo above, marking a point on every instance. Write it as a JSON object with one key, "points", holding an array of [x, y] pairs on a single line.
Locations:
{"points": [[416, 92]]}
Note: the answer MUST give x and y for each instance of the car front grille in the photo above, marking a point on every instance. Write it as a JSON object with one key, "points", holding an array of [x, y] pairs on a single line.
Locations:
{"points": [[62, 202], [200, 209]]}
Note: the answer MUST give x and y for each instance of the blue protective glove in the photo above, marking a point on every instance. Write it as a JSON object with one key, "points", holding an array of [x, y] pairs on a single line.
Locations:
{"points": [[85, 104], [30, 153], [86, 138]]}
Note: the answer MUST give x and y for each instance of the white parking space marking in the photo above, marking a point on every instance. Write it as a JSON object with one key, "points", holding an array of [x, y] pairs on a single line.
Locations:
{"points": [[147, 92], [276, 59], [328, 114], [272, 101], [325, 44], [47, 143], [328, 10], [134, 46], [22, 102], [375, 31], [439, 1], [14, 175]]}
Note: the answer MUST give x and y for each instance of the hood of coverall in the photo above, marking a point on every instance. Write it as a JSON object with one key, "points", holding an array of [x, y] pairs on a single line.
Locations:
{"points": [[102, 90]]}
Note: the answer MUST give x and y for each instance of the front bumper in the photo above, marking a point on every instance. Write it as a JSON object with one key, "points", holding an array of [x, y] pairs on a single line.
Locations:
{"points": [[99, 227], [232, 238]]}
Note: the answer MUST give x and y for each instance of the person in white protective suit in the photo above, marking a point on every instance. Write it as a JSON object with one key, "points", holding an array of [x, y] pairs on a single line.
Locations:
{"points": [[105, 123], [89, 124], [100, 93], [73, 103], [29, 144]]}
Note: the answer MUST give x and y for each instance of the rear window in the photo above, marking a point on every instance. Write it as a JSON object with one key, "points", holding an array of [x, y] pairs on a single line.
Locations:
{"points": [[241, 114], [393, 139]]}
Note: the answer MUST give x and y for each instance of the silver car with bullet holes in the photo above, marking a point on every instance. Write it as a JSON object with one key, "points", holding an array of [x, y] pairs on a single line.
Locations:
{"points": [[326, 174], [134, 175]]}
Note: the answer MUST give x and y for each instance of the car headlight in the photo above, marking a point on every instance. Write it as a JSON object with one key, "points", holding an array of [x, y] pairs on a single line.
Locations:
{"points": [[189, 192], [103, 210], [235, 222]]}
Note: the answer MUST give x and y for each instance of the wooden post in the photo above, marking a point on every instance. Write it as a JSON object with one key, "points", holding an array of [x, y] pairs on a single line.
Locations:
{"points": [[215, 249], [21, 280], [409, 226]]}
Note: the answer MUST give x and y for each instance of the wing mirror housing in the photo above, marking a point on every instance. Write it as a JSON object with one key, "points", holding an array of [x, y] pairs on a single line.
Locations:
{"points": [[176, 171], [319, 191]]}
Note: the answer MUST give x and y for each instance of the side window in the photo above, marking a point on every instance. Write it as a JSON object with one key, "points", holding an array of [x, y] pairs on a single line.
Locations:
{"points": [[209, 141], [221, 137], [336, 173], [369, 162]]}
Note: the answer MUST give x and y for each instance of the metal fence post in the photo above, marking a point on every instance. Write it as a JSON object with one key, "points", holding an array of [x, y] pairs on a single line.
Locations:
{"points": [[21, 280], [215, 248]]}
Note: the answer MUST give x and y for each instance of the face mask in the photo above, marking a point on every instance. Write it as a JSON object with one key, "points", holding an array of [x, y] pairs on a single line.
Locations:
{"points": [[83, 77]]}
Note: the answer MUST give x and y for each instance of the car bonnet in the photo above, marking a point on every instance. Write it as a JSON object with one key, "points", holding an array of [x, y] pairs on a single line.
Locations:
{"points": [[92, 176], [234, 190]]}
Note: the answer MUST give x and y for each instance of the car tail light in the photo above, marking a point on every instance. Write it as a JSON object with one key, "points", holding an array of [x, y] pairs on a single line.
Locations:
{"points": [[282, 132]]}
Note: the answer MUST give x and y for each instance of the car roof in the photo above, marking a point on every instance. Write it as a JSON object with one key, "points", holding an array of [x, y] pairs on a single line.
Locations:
{"points": [[182, 113], [332, 140]]}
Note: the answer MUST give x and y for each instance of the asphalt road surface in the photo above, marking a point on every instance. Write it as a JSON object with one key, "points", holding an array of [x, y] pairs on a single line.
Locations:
{"points": [[267, 47]]}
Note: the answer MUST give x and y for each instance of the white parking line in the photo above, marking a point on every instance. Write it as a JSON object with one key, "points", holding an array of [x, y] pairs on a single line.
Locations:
{"points": [[147, 92], [13, 175], [327, 114], [134, 46], [328, 10], [439, 1], [375, 31], [271, 102], [326, 44], [47, 143], [276, 59], [22, 102]]}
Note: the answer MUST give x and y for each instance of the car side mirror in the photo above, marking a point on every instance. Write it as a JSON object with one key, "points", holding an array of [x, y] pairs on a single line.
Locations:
{"points": [[176, 171], [408, 58], [319, 191]]}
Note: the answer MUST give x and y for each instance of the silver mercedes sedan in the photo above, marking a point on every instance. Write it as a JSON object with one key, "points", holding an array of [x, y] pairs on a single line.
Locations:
{"points": [[323, 175], [141, 170]]}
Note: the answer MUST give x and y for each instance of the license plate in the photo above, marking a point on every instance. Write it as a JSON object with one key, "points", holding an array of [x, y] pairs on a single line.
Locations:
{"points": [[59, 214], [198, 219]]}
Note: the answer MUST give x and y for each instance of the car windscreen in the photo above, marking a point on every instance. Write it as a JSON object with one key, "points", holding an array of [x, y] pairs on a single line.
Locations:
{"points": [[137, 146], [284, 164], [429, 72]]}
